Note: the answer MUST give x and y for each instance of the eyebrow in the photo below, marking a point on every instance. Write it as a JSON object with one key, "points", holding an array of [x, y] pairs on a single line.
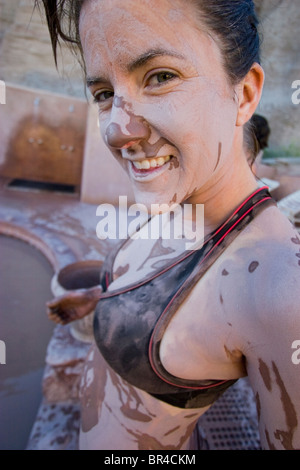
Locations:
{"points": [[149, 55], [91, 81], [140, 61]]}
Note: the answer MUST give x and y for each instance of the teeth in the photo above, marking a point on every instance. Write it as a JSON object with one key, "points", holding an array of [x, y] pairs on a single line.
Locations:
{"points": [[151, 163], [160, 161], [145, 165]]}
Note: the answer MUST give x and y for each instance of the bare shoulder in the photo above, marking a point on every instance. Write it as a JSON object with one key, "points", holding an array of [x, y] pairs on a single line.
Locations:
{"points": [[277, 266], [269, 327], [265, 264], [271, 301]]}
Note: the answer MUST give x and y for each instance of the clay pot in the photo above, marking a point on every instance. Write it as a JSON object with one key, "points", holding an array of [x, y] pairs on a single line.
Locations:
{"points": [[79, 275]]}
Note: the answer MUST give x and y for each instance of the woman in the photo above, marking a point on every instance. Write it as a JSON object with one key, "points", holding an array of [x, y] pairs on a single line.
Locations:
{"points": [[176, 82]]}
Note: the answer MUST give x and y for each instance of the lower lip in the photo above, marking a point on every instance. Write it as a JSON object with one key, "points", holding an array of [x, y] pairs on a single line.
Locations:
{"points": [[148, 174]]}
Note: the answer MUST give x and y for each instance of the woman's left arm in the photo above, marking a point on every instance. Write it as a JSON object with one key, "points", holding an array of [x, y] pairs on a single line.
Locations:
{"points": [[273, 357]]}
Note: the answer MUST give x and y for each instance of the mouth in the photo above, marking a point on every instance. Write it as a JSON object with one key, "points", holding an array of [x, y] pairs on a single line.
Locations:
{"points": [[151, 163], [151, 167]]}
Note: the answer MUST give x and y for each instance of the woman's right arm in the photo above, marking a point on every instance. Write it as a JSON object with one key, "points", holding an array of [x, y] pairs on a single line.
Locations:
{"points": [[73, 305]]}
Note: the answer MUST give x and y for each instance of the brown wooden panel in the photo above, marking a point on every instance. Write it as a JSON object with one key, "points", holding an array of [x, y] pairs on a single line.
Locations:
{"points": [[45, 137]]}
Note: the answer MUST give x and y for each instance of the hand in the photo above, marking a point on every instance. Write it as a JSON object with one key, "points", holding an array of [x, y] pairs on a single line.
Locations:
{"points": [[73, 305]]}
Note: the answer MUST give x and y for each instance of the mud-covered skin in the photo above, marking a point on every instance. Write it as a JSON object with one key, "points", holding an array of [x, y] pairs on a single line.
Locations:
{"points": [[73, 305], [135, 317], [223, 343], [119, 416], [192, 114], [267, 349], [243, 314]]}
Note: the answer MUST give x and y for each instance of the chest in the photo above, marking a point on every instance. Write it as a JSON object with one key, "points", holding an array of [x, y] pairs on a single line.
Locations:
{"points": [[182, 296]]}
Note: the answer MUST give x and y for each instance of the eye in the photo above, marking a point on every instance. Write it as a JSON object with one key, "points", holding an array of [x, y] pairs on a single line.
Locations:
{"points": [[103, 96], [160, 78]]}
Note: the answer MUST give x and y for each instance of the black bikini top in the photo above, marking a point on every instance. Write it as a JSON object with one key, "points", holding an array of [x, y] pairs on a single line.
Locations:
{"points": [[129, 323]]}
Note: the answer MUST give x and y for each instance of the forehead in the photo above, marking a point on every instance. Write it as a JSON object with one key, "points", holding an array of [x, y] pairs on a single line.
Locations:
{"points": [[123, 28], [138, 11]]}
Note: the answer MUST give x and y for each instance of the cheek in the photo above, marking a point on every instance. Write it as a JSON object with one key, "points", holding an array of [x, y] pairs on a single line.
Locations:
{"points": [[168, 120], [195, 122], [103, 126], [214, 122]]}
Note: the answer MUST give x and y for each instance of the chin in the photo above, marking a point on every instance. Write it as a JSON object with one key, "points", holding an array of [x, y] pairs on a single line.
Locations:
{"points": [[153, 203]]}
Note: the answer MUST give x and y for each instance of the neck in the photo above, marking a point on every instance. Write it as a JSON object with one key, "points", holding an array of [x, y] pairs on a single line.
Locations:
{"points": [[224, 192]]}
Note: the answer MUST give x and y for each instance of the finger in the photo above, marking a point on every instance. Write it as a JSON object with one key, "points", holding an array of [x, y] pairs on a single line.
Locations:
{"points": [[55, 319], [52, 304], [58, 316]]}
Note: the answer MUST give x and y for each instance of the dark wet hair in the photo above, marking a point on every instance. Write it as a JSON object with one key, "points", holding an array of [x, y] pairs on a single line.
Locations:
{"points": [[234, 24], [261, 129], [256, 136], [63, 23]]}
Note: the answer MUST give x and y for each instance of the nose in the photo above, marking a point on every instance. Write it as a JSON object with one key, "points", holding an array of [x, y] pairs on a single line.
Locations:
{"points": [[126, 129]]}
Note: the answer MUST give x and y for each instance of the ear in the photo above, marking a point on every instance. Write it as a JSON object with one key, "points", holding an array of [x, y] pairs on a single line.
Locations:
{"points": [[249, 93]]}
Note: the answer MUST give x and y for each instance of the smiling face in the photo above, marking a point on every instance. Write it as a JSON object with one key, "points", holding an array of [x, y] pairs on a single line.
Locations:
{"points": [[166, 109]]}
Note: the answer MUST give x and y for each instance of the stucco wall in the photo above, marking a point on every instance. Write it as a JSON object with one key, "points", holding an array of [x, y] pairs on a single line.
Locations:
{"points": [[280, 20], [25, 52]]}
